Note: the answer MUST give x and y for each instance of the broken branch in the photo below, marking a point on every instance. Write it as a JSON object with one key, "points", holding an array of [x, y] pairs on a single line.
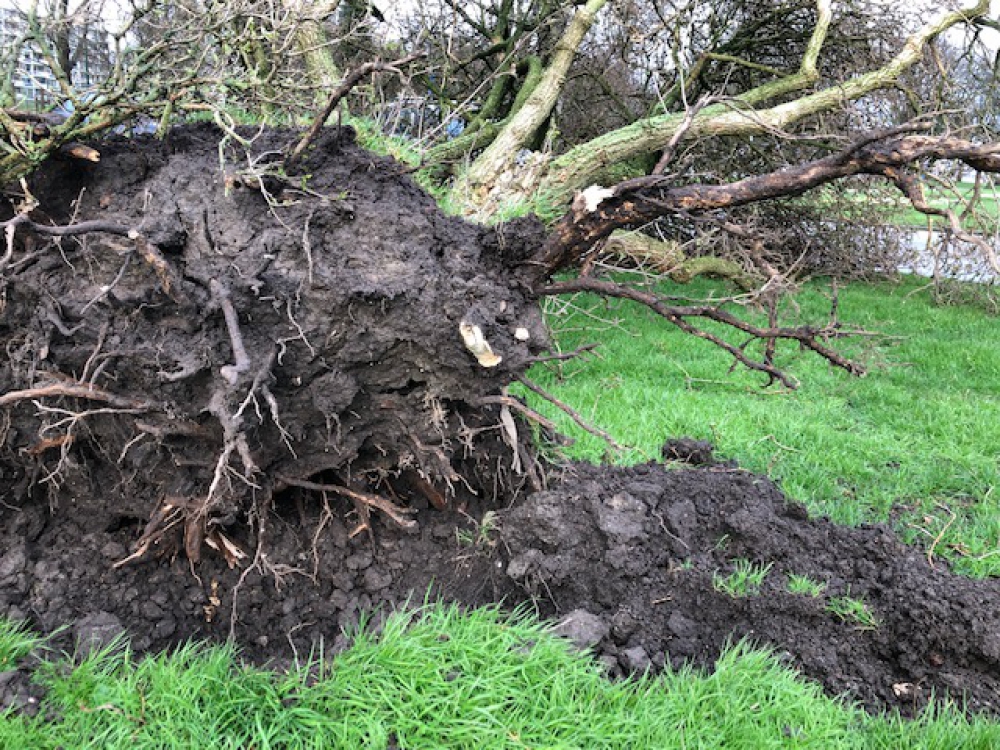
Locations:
{"points": [[575, 416], [636, 202], [807, 336]]}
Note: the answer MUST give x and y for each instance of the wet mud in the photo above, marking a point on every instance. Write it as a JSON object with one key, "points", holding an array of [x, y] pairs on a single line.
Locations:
{"points": [[627, 562]]}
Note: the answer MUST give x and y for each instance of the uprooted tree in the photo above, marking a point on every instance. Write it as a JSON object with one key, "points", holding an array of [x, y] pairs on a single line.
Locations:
{"points": [[188, 341]]}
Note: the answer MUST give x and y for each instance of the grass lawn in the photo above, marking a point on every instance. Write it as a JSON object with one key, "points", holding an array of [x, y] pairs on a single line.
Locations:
{"points": [[441, 679], [915, 440], [889, 206]]}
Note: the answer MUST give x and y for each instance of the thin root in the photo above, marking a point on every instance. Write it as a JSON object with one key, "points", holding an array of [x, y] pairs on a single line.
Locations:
{"points": [[364, 500]]}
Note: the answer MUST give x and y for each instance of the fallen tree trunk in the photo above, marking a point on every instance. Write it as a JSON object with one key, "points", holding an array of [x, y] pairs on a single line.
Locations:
{"points": [[891, 154]]}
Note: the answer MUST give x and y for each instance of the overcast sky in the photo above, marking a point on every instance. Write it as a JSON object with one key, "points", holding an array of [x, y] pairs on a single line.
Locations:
{"points": [[112, 9]]}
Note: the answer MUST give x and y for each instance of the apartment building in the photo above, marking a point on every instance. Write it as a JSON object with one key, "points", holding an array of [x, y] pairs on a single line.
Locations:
{"points": [[34, 84]]}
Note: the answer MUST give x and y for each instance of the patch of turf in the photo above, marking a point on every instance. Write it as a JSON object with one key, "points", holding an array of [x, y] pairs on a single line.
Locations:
{"points": [[439, 678], [16, 642], [745, 579]]}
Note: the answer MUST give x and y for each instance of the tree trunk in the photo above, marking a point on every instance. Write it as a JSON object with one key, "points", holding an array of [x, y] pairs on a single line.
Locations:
{"points": [[321, 69], [518, 131], [312, 43]]}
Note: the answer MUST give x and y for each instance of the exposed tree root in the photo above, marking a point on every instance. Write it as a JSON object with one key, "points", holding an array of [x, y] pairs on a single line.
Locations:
{"points": [[257, 338], [365, 499], [369, 338], [79, 390]]}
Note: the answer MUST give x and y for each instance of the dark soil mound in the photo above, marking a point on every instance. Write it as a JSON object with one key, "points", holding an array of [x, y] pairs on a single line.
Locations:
{"points": [[625, 557], [273, 366], [225, 334], [645, 549]]}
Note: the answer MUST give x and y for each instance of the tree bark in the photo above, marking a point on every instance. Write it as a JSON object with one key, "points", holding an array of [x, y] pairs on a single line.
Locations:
{"points": [[580, 166], [500, 154]]}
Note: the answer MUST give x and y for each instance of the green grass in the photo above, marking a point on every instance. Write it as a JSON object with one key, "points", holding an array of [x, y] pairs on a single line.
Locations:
{"points": [[852, 610], [984, 217], [805, 586], [878, 202], [438, 678], [915, 440], [16, 642], [745, 580]]}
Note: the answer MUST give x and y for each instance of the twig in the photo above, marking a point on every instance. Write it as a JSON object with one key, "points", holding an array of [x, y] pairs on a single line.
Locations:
{"points": [[668, 152], [580, 421], [909, 185], [563, 356], [339, 93], [940, 536], [106, 289]]}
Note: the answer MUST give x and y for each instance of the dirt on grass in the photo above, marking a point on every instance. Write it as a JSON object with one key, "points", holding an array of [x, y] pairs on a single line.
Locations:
{"points": [[360, 456]]}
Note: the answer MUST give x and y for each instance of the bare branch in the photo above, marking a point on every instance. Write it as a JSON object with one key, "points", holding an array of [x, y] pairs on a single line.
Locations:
{"points": [[809, 337], [352, 80], [573, 414], [633, 203]]}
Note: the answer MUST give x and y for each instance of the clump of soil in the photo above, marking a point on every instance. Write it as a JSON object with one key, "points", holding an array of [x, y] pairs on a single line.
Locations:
{"points": [[359, 452], [226, 333]]}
